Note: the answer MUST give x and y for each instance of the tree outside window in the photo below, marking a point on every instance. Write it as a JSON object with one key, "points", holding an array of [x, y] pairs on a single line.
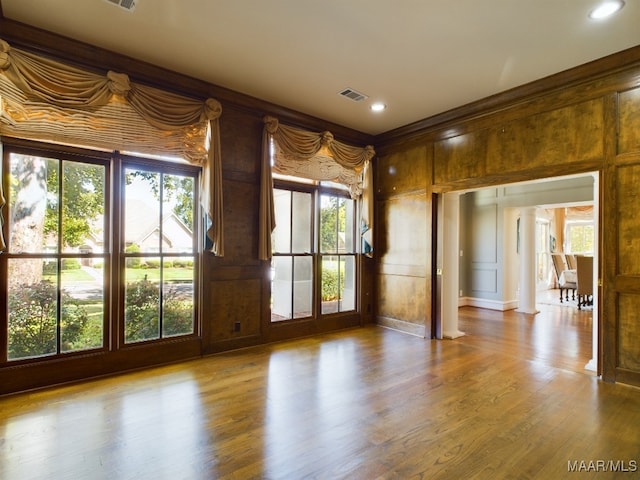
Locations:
{"points": [[59, 252], [159, 251], [314, 252], [55, 257], [580, 236], [337, 249]]}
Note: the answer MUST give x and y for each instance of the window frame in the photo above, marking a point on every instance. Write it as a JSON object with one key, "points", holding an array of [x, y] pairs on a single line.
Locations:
{"points": [[317, 189], [583, 224], [114, 279], [14, 146], [124, 162], [353, 253]]}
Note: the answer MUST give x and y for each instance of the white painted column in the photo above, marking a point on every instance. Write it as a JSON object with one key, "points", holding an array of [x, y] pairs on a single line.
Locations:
{"points": [[527, 290], [450, 265], [593, 363]]}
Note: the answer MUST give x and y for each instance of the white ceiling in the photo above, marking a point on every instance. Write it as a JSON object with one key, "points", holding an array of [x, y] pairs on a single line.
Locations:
{"points": [[420, 57]]}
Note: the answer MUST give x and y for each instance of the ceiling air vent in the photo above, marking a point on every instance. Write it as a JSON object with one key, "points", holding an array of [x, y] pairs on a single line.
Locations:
{"points": [[351, 94], [128, 5]]}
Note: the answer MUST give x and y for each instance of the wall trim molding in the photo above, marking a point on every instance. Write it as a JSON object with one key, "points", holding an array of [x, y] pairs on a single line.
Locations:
{"points": [[402, 326], [500, 305], [416, 132]]}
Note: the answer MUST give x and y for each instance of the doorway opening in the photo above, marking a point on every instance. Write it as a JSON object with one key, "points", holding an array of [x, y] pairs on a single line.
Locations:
{"points": [[486, 249]]}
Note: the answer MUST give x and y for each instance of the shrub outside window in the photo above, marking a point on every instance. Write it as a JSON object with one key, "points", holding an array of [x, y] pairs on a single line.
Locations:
{"points": [[64, 261], [314, 251]]}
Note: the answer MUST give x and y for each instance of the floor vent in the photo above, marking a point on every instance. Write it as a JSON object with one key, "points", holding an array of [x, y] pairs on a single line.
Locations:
{"points": [[128, 5], [351, 94]]}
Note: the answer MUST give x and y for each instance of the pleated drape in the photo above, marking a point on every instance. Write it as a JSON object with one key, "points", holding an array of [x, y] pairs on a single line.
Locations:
{"points": [[315, 156], [42, 99], [3, 245]]}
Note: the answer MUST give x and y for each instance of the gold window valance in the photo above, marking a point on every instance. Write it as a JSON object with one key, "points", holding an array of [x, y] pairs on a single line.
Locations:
{"points": [[43, 99], [315, 156]]}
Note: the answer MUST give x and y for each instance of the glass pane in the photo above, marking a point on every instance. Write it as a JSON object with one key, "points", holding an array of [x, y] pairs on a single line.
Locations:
{"points": [[334, 185], [331, 283], [82, 207], [281, 236], [142, 300], [348, 285], [281, 284], [33, 203], [142, 212], [328, 224], [342, 224], [338, 283], [177, 214], [588, 241], [302, 221], [177, 297], [347, 229], [82, 304], [302, 286], [32, 307]]}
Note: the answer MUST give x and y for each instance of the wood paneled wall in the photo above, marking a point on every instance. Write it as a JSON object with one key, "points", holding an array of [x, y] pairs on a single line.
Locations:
{"points": [[403, 239], [566, 135], [583, 120], [622, 237]]}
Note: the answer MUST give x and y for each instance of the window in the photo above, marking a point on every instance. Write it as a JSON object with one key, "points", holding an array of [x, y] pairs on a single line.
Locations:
{"points": [[337, 253], [314, 251], [64, 261], [159, 250], [543, 257], [579, 237], [292, 283], [55, 260]]}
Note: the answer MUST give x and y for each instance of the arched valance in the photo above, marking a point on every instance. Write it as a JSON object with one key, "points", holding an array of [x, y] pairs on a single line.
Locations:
{"points": [[43, 99], [3, 245], [316, 156]]}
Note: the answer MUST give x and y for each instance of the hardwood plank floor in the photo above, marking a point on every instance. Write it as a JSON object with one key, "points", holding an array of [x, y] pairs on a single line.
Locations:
{"points": [[559, 336], [368, 403]]}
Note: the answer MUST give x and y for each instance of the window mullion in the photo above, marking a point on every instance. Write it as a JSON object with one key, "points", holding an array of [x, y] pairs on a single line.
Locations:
{"points": [[316, 246], [293, 259], [60, 201], [291, 224], [160, 252], [293, 283], [118, 258]]}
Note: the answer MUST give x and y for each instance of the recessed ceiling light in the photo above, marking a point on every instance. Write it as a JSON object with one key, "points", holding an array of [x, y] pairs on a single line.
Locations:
{"points": [[606, 9], [378, 107]]}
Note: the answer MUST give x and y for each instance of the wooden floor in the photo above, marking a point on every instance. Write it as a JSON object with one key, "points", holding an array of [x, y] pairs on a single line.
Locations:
{"points": [[509, 400], [559, 336]]}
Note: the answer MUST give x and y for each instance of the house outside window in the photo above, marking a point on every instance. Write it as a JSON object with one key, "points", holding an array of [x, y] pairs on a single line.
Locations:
{"points": [[55, 261], [79, 267], [159, 252]]}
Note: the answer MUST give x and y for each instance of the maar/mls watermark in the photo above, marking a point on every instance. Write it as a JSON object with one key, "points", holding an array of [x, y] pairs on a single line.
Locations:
{"points": [[622, 466]]}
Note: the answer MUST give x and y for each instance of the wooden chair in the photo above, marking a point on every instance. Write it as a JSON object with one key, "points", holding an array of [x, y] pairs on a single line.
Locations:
{"points": [[571, 261], [560, 266], [584, 281]]}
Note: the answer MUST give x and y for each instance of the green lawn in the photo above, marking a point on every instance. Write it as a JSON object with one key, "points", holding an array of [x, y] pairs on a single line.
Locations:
{"points": [[70, 276], [153, 274], [133, 275]]}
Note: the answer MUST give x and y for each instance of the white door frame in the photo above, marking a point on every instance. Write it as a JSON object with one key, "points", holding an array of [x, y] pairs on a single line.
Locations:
{"points": [[450, 269]]}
